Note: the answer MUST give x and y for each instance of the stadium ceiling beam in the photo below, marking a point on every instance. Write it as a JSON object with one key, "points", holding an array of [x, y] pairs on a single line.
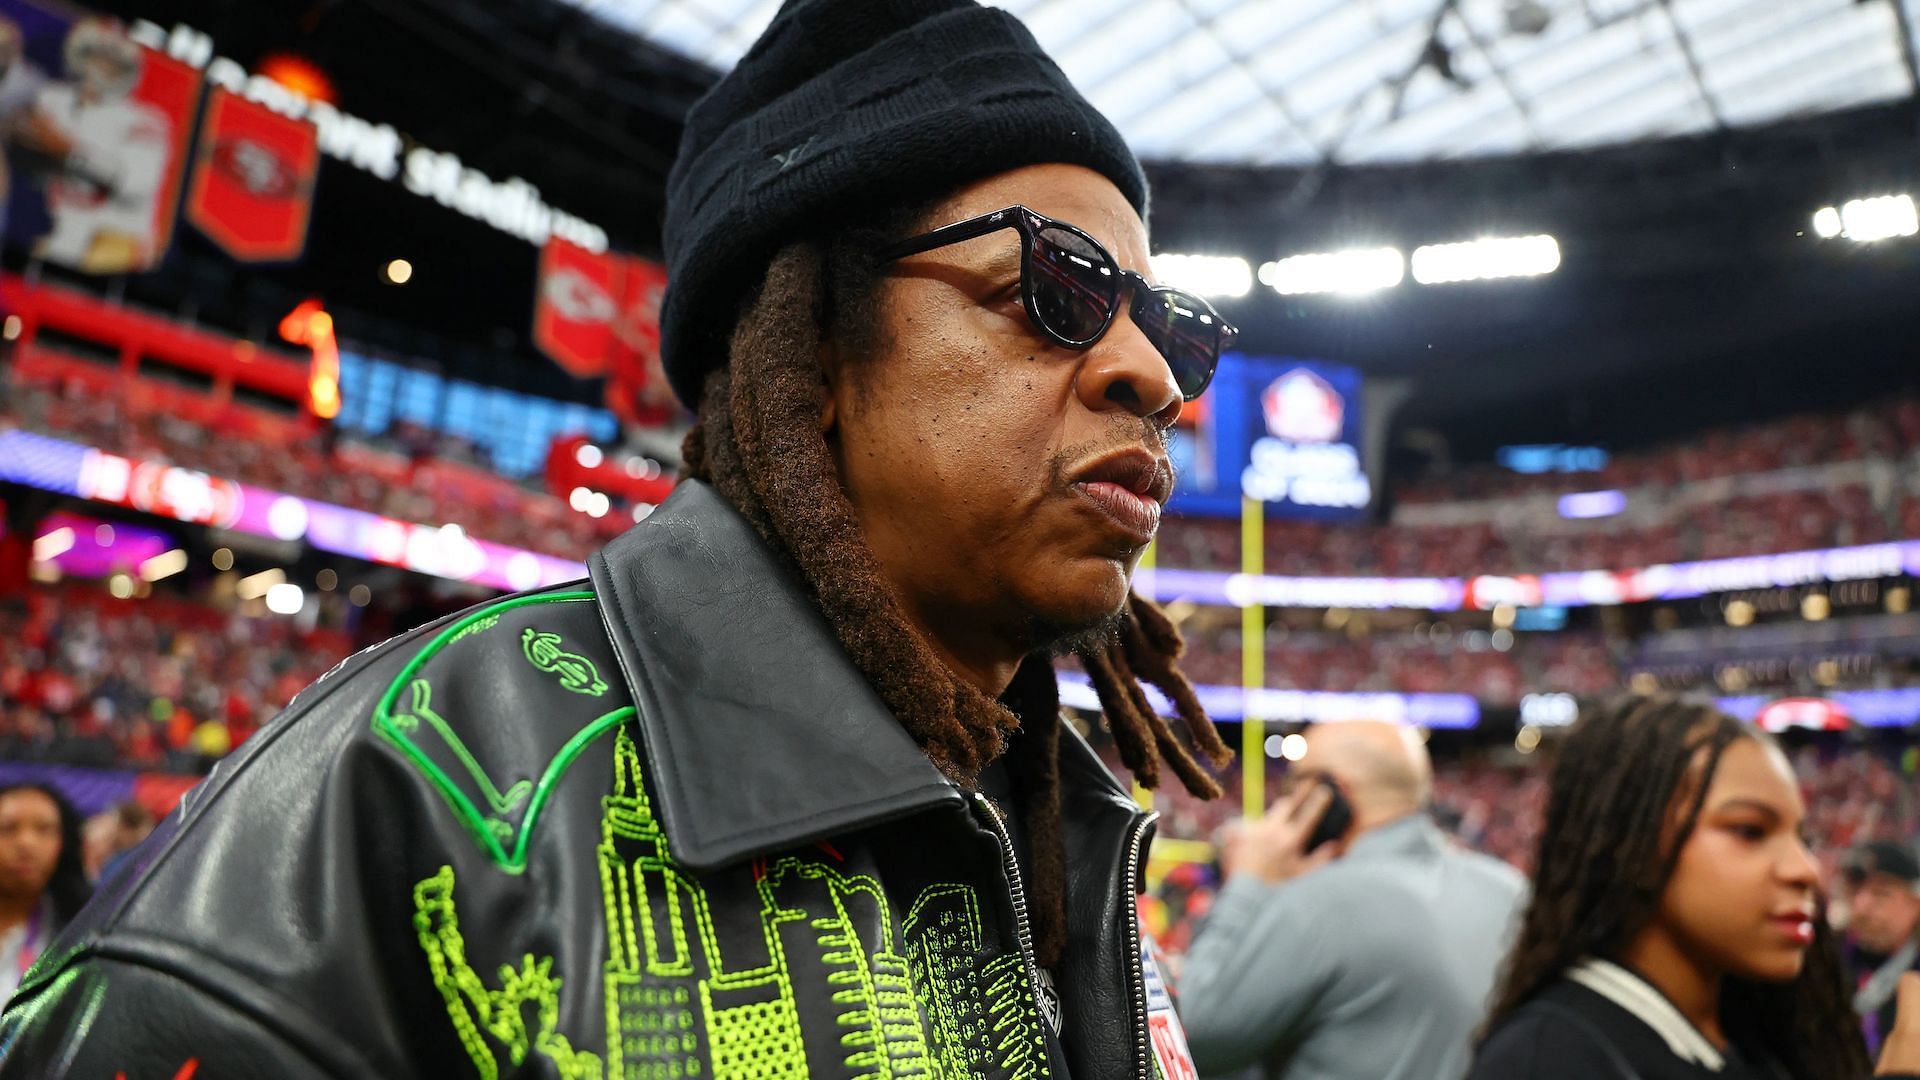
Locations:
{"points": [[431, 22], [1500, 76], [1685, 41], [1903, 23], [1240, 59]]}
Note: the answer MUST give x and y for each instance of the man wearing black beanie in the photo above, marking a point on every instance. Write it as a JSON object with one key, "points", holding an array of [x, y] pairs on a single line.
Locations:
{"points": [[782, 790]]}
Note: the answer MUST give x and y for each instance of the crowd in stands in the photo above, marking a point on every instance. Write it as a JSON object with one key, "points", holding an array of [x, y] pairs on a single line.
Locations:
{"points": [[418, 486], [1463, 663], [1854, 794], [159, 683], [415, 480], [1492, 528], [1889, 429]]}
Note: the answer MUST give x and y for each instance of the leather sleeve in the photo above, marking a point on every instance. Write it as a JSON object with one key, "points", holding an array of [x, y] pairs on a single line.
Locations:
{"points": [[109, 1018]]}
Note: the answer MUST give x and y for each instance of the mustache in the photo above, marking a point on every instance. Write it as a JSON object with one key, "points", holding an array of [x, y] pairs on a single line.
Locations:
{"points": [[1128, 433]]}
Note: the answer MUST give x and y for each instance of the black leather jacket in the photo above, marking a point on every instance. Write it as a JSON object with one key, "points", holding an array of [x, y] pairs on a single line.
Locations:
{"points": [[651, 825]]}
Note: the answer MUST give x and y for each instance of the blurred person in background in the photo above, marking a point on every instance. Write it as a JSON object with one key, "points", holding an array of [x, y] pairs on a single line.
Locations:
{"points": [[1370, 957], [1676, 928], [1883, 929], [111, 833], [42, 882]]}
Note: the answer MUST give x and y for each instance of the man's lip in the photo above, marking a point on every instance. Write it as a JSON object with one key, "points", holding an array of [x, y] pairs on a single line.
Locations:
{"points": [[1136, 515], [1136, 470]]}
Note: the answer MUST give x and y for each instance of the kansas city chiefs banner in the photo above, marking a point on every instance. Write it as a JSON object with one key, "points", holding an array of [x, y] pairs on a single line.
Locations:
{"points": [[574, 310], [252, 187], [598, 316]]}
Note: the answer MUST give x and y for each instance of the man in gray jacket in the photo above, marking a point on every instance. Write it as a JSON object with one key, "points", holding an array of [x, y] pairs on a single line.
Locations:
{"points": [[1370, 957]]}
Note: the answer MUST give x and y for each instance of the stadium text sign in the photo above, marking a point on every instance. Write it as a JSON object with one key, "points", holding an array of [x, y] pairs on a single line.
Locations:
{"points": [[513, 205]]}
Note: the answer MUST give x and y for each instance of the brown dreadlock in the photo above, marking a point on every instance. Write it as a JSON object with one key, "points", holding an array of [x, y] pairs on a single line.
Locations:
{"points": [[758, 442], [1605, 858]]}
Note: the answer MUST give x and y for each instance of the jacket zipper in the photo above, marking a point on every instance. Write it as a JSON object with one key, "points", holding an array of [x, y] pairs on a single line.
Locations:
{"points": [[1018, 893], [1136, 970]]}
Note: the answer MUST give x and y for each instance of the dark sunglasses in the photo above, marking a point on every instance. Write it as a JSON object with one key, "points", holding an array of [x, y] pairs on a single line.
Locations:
{"points": [[1072, 289]]}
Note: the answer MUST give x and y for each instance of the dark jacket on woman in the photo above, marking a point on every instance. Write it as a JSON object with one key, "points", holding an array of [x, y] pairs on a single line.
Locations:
{"points": [[653, 824]]}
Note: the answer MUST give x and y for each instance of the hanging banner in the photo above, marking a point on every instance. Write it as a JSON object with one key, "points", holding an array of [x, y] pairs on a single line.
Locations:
{"points": [[98, 139], [253, 175], [598, 316], [637, 389], [574, 309]]}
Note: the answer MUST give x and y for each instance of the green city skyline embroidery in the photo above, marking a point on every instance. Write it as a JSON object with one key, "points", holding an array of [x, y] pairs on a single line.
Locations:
{"points": [[682, 1003]]}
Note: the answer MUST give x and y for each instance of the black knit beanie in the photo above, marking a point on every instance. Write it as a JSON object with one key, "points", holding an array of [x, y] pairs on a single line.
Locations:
{"points": [[849, 103]]}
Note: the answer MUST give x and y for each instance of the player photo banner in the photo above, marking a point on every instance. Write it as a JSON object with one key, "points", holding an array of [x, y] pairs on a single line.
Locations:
{"points": [[252, 186], [96, 130]]}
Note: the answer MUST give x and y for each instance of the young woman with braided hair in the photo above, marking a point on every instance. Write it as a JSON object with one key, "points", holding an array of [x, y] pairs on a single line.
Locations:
{"points": [[1676, 927]]}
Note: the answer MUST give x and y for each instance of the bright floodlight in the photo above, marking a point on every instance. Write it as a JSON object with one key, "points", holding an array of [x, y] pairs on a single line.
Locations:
{"points": [[1479, 260], [1826, 222], [286, 598], [1293, 747], [1360, 270], [1882, 218], [1208, 275]]}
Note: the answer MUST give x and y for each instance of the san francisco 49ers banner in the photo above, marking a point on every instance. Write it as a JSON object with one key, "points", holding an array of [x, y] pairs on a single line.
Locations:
{"points": [[252, 187]]}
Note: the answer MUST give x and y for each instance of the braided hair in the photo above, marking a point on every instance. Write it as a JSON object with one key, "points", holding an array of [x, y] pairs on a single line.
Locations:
{"points": [[1606, 855], [757, 441]]}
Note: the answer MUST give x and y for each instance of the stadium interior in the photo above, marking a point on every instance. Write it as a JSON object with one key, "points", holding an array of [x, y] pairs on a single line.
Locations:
{"points": [[1684, 456]]}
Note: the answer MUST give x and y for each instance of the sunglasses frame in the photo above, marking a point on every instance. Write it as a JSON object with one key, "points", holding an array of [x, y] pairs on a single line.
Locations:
{"points": [[1028, 223]]}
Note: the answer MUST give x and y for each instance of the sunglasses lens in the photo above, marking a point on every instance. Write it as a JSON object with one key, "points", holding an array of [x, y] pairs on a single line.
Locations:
{"points": [[1073, 283], [1187, 333]]}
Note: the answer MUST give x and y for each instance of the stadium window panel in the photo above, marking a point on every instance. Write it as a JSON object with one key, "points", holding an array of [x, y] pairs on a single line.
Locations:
{"points": [[417, 397]]}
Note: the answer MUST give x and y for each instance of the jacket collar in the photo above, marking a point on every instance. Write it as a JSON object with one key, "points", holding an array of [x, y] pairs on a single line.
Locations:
{"points": [[760, 732], [1414, 834]]}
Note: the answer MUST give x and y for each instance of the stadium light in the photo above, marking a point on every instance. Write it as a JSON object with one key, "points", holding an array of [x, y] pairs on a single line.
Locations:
{"points": [[1592, 504], [165, 564], [1867, 220], [1485, 259], [286, 598], [255, 586], [53, 544], [1208, 275], [1352, 272], [399, 271], [588, 456]]}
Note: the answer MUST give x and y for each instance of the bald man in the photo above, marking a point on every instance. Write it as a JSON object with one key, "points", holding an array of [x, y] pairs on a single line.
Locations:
{"points": [[1370, 957]]}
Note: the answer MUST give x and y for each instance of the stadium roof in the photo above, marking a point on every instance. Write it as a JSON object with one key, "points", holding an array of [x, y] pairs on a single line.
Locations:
{"points": [[1357, 82]]}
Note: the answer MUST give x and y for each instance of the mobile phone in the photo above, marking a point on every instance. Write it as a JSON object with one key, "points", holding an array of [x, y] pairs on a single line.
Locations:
{"points": [[1336, 821]]}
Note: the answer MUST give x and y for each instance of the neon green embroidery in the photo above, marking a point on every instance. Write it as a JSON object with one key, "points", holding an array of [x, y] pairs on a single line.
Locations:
{"points": [[983, 1017], [481, 625], [421, 708], [927, 1002], [503, 841], [501, 1013], [576, 672]]}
